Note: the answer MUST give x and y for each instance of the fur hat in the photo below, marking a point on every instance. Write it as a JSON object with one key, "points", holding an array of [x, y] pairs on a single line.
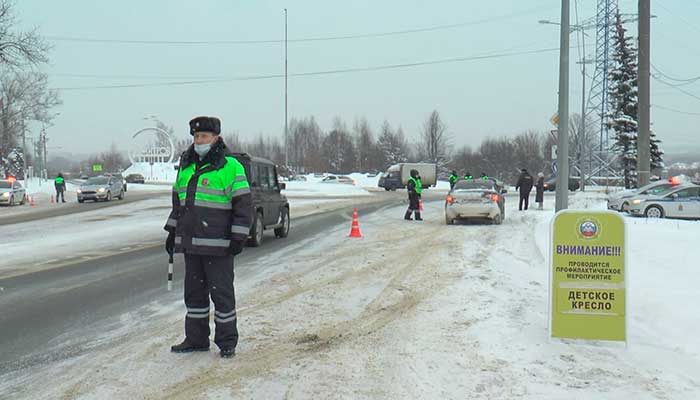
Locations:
{"points": [[205, 124]]}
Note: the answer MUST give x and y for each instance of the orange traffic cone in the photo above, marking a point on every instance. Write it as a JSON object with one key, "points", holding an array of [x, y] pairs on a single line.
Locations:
{"points": [[355, 231], [420, 205], [31, 201], [51, 199]]}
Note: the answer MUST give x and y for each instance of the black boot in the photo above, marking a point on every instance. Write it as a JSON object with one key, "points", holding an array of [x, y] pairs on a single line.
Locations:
{"points": [[187, 347], [407, 216], [418, 218], [227, 352]]}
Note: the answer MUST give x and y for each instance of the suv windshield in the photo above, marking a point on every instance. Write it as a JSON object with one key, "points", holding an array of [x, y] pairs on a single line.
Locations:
{"points": [[5, 185], [96, 181]]}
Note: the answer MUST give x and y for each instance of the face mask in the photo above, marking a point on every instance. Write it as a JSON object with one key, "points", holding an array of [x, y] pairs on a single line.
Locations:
{"points": [[202, 149]]}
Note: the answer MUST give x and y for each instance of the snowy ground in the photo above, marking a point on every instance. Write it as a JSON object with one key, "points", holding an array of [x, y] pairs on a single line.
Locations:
{"points": [[412, 310], [94, 234]]}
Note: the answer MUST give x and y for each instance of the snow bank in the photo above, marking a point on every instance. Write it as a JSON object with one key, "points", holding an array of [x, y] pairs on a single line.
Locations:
{"points": [[158, 172], [316, 188]]}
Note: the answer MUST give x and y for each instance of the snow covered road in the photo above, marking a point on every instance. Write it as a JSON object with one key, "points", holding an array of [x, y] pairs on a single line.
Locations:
{"points": [[412, 310]]}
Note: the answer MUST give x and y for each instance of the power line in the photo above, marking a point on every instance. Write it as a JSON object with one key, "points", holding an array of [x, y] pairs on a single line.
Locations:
{"points": [[690, 24], [674, 110], [316, 73], [675, 87], [300, 40], [666, 76]]}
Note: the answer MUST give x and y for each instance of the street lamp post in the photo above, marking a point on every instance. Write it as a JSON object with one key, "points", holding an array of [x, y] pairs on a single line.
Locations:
{"points": [[286, 126], [563, 131]]}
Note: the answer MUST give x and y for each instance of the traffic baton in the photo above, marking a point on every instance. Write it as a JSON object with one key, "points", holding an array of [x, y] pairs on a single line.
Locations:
{"points": [[170, 272]]}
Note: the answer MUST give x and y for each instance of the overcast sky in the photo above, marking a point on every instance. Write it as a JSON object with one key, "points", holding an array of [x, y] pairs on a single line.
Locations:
{"points": [[477, 98]]}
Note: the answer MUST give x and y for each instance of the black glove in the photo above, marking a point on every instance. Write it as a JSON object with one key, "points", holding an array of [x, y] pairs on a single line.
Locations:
{"points": [[170, 243], [236, 247]]}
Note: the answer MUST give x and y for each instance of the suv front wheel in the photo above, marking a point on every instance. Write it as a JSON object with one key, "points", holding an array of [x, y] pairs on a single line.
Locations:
{"points": [[284, 230], [256, 234]]}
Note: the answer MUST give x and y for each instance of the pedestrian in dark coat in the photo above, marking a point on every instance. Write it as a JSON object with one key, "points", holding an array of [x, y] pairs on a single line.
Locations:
{"points": [[524, 185], [539, 194]]}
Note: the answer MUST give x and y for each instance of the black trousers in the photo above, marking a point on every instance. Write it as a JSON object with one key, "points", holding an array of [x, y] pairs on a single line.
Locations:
{"points": [[59, 194], [210, 276], [524, 200]]}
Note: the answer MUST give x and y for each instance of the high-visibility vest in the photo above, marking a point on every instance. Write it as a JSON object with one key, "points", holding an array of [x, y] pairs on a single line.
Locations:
{"points": [[418, 183]]}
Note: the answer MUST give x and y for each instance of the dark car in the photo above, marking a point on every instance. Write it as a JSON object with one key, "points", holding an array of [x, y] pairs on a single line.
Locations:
{"points": [[551, 184], [135, 178], [270, 206], [117, 176]]}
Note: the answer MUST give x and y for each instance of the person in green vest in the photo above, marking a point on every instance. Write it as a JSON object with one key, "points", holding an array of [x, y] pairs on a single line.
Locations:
{"points": [[415, 189], [209, 223], [468, 177], [60, 185], [453, 179]]}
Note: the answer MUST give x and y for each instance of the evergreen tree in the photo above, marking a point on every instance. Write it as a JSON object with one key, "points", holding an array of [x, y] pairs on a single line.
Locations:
{"points": [[392, 146], [624, 101], [623, 96]]}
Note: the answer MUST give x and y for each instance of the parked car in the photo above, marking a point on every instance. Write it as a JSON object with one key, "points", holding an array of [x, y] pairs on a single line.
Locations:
{"points": [[119, 176], [551, 184], [11, 192], [620, 201], [298, 178], [101, 188], [338, 179], [135, 178], [679, 202], [270, 206], [477, 199]]}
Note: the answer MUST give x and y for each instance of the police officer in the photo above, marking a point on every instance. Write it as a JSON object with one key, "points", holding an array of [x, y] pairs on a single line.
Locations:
{"points": [[209, 223], [415, 189], [453, 179], [524, 185], [60, 185]]}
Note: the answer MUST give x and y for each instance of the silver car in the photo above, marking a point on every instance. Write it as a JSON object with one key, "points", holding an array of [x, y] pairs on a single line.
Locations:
{"points": [[11, 192], [620, 201], [101, 188], [477, 199], [680, 202]]}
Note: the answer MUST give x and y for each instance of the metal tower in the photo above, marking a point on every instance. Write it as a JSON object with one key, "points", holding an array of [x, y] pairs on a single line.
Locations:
{"points": [[598, 98]]}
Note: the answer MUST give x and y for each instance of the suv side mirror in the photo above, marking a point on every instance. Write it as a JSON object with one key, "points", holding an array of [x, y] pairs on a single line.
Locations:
{"points": [[283, 186]]}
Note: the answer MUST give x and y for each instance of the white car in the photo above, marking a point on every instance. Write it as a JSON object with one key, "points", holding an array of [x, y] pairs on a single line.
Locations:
{"points": [[338, 179], [620, 201], [477, 199], [11, 192], [680, 202]]}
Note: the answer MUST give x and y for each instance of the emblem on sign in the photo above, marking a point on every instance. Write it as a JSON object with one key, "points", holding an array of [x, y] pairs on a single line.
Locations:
{"points": [[588, 229]]}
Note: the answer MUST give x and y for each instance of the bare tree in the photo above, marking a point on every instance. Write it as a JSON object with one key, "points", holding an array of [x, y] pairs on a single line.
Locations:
{"points": [[435, 140], [19, 48], [25, 97], [582, 143]]}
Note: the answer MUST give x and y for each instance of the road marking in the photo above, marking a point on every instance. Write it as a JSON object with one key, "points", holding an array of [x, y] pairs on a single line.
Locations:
{"points": [[47, 262]]}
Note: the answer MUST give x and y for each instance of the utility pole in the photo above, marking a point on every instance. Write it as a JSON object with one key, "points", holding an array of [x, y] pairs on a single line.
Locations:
{"points": [[563, 125], [644, 134], [286, 126]]}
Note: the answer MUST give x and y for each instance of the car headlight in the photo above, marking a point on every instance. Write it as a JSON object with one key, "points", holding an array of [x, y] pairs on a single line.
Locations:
{"points": [[6, 194], [79, 191], [636, 202], [101, 190]]}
